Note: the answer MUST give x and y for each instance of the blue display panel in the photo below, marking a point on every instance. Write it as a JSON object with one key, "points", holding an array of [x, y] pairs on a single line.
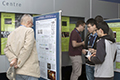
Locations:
{"points": [[48, 41]]}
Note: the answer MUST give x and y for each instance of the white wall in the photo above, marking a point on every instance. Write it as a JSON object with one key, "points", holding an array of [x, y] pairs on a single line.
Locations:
{"points": [[73, 7], [27, 6], [80, 8], [4, 64]]}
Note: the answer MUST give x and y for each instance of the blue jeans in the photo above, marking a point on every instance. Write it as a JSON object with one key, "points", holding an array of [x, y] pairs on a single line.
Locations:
{"points": [[24, 77], [89, 72]]}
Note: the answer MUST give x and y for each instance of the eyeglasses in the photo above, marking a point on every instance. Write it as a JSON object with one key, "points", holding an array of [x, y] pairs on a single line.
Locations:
{"points": [[83, 26], [96, 29], [31, 23]]}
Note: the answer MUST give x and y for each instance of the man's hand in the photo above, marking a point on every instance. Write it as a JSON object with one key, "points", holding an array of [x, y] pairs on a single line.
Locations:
{"points": [[83, 51], [15, 66], [89, 57], [83, 43], [14, 63], [94, 54], [92, 50]]}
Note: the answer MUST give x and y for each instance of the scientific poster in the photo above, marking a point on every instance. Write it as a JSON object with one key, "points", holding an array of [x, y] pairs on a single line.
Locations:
{"points": [[18, 19], [116, 29], [7, 21], [46, 29], [117, 64], [115, 26], [65, 34], [71, 28], [65, 41], [7, 25], [66, 37], [65, 24], [46, 44]]}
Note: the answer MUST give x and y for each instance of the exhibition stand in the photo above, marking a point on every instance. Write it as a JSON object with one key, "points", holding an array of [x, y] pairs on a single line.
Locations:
{"points": [[48, 41]]}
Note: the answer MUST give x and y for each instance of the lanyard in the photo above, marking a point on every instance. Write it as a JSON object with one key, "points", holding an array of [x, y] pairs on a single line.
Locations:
{"points": [[79, 34], [93, 40], [23, 25]]}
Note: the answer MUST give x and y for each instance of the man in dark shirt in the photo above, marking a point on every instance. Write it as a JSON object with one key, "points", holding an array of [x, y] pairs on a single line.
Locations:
{"points": [[90, 45], [75, 50]]}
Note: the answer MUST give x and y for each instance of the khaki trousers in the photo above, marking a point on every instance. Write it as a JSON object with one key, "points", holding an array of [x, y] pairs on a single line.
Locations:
{"points": [[76, 67]]}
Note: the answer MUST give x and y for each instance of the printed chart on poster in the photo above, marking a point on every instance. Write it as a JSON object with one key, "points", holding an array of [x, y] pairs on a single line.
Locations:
{"points": [[115, 26], [47, 42]]}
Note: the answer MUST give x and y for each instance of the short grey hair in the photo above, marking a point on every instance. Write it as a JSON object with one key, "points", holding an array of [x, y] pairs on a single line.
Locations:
{"points": [[25, 18]]}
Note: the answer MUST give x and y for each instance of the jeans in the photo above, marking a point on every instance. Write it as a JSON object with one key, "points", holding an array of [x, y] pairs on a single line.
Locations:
{"points": [[24, 77], [89, 72]]}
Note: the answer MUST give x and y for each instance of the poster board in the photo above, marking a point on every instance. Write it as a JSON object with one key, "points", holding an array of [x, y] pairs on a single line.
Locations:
{"points": [[71, 28], [114, 24], [48, 41], [7, 25], [65, 33]]}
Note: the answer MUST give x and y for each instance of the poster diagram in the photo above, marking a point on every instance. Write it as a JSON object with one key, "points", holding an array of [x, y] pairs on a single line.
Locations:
{"points": [[46, 27]]}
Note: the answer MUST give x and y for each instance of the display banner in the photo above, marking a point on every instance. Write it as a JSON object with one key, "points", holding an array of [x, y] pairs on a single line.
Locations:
{"points": [[48, 41], [65, 33], [7, 25], [65, 24], [115, 26], [65, 42], [71, 28]]}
